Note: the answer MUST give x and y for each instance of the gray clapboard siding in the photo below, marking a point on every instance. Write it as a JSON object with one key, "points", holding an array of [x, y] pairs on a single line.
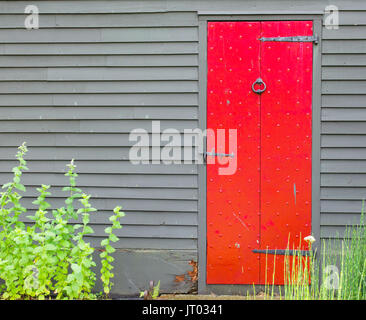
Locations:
{"points": [[112, 20], [99, 48], [339, 114], [148, 231], [344, 86], [141, 60], [335, 219], [341, 206], [337, 140], [118, 73], [344, 127], [149, 243], [136, 218], [100, 153], [92, 166], [123, 193], [345, 193], [343, 166], [134, 6], [156, 232], [346, 32], [94, 113], [85, 6], [109, 180], [91, 126], [77, 139], [83, 87], [343, 60], [108, 35], [344, 153], [343, 72], [99, 73], [333, 232], [128, 204], [108, 99], [344, 101], [343, 180], [344, 46]]}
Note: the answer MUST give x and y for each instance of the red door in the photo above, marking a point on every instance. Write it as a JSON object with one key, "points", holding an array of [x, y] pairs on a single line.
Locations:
{"points": [[266, 203]]}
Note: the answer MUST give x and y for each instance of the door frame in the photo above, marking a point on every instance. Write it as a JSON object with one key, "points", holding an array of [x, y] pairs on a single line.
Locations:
{"points": [[203, 19]]}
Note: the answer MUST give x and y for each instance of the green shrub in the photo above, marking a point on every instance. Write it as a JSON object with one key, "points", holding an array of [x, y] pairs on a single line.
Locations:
{"points": [[50, 257]]}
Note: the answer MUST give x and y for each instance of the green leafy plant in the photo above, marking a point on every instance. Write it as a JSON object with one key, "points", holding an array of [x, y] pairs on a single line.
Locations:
{"points": [[105, 256], [152, 293], [50, 256]]}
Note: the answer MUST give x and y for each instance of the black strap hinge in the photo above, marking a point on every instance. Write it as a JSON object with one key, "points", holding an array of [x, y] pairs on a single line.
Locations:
{"points": [[313, 38], [282, 252]]}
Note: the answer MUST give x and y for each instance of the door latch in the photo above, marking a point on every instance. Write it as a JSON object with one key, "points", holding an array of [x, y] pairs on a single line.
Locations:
{"points": [[216, 154]]}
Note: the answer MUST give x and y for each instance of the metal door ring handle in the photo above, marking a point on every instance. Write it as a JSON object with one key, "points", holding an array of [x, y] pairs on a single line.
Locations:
{"points": [[259, 81]]}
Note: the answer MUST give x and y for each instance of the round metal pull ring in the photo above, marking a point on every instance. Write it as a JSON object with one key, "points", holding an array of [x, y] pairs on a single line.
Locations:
{"points": [[259, 81]]}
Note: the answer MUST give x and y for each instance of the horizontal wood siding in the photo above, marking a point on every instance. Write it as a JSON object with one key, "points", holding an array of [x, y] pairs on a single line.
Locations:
{"points": [[76, 87], [97, 69], [343, 140]]}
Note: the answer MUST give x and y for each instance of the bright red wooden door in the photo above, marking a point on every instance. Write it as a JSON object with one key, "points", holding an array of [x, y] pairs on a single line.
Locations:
{"points": [[267, 201]]}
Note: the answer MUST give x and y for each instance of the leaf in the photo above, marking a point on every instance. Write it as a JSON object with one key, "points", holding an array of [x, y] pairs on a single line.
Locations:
{"points": [[108, 230], [86, 219], [7, 185], [50, 247], [50, 234], [37, 250], [112, 218], [61, 254], [109, 249], [20, 187], [104, 242], [76, 268], [65, 243], [16, 179], [120, 214], [117, 225], [77, 226], [113, 237], [110, 259], [86, 263], [81, 245], [156, 291], [79, 276], [69, 201], [16, 170], [88, 229], [58, 226]]}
